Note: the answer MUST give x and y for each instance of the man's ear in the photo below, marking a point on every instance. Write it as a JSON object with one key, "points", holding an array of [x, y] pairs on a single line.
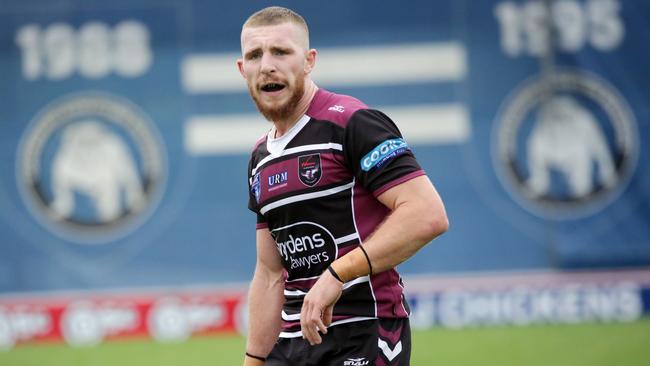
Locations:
{"points": [[240, 67], [310, 60]]}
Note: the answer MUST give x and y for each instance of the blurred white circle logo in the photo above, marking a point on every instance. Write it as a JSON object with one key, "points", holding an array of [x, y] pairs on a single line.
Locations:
{"points": [[174, 320], [7, 340], [168, 322], [565, 145], [81, 325], [91, 167]]}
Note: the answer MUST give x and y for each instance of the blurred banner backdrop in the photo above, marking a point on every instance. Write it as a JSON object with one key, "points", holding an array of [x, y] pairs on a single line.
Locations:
{"points": [[125, 130]]}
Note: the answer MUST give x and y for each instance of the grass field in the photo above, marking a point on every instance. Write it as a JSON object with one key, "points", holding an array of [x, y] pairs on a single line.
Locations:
{"points": [[587, 344]]}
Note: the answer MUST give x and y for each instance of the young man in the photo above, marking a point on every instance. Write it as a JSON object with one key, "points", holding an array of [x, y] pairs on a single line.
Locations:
{"points": [[340, 201]]}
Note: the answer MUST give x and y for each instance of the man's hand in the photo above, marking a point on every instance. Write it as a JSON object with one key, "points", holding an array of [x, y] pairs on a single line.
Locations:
{"points": [[317, 307]]}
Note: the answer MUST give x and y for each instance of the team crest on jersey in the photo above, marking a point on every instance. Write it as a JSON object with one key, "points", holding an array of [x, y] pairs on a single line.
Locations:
{"points": [[91, 167], [309, 169], [566, 145]]}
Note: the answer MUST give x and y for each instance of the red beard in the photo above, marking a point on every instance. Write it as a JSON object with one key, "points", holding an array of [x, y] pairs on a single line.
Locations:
{"points": [[283, 111]]}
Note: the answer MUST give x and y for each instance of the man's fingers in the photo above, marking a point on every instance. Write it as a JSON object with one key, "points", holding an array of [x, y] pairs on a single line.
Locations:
{"points": [[303, 320], [306, 324], [317, 317], [311, 326], [311, 323], [327, 315], [317, 308]]}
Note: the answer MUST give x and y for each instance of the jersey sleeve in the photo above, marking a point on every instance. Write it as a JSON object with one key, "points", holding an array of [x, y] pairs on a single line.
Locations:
{"points": [[376, 152], [253, 195]]}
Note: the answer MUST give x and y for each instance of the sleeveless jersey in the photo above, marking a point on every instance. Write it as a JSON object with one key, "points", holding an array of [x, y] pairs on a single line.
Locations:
{"points": [[315, 189]]}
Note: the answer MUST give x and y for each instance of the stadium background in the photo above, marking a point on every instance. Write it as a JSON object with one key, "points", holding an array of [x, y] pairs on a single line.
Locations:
{"points": [[491, 95]]}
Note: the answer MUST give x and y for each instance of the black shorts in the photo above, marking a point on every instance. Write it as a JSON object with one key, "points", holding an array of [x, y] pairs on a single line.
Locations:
{"points": [[363, 343]]}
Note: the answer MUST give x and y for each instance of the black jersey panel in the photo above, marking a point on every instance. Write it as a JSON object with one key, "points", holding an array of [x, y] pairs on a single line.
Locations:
{"points": [[318, 132], [375, 150]]}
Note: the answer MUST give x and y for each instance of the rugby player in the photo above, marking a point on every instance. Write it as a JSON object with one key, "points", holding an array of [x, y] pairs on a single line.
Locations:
{"points": [[340, 201]]}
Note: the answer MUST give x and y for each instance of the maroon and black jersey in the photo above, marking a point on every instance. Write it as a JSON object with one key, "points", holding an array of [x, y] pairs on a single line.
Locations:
{"points": [[315, 189]]}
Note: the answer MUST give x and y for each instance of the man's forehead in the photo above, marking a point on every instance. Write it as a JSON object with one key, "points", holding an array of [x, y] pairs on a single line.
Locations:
{"points": [[278, 34]]}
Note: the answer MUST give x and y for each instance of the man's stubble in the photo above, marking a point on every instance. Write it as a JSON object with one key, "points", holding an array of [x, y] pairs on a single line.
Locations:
{"points": [[286, 110]]}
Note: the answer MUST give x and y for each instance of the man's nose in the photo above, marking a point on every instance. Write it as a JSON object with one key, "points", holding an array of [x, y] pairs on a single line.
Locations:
{"points": [[267, 63]]}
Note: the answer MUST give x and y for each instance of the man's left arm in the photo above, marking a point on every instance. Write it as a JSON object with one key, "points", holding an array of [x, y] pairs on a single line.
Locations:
{"points": [[418, 216]]}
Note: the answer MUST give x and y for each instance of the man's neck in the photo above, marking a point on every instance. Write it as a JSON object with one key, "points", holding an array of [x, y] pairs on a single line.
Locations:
{"points": [[281, 127]]}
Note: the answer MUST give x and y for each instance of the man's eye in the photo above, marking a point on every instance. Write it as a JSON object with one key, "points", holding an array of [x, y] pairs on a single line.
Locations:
{"points": [[254, 56]]}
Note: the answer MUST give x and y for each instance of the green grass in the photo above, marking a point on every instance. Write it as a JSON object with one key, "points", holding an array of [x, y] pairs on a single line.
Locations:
{"points": [[586, 344]]}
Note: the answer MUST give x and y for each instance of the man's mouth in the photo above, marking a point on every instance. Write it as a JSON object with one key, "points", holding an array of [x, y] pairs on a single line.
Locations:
{"points": [[271, 87]]}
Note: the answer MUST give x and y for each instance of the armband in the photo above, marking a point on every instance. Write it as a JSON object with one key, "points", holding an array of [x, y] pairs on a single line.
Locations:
{"points": [[334, 274], [367, 258]]}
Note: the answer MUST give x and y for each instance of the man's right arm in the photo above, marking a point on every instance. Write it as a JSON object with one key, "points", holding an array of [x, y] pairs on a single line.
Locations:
{"points": [[265, 299]]}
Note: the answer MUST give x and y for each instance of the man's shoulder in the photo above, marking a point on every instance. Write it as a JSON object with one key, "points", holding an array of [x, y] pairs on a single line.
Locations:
{"points": [[337, 108], [259, 148], [260, 141]]}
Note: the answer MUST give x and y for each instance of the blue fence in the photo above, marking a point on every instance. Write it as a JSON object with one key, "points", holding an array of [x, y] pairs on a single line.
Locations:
{"points": [[124, 131]]}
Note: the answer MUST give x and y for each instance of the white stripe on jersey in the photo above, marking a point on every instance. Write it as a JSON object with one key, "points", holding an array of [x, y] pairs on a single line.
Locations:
{"points": [[347, 238], [356, 281], [305, 196], [354, 220], [303, 279], [347, 285], [291, 317], [349, 320], [294, 293], [293, 150]]}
